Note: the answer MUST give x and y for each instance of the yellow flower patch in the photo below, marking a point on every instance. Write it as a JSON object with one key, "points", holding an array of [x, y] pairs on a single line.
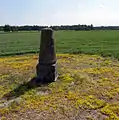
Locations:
{"points": [[85, 82]]}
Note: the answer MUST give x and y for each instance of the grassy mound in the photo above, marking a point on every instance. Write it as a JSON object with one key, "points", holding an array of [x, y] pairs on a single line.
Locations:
{"points": [[87, 88]]}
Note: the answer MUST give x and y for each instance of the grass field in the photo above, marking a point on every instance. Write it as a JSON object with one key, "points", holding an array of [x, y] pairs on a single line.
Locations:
{"points": [[105, 43], [87, 87]]}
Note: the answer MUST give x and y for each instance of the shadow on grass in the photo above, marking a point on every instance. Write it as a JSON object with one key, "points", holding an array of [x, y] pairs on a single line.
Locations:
{"points": [[21, 89]]}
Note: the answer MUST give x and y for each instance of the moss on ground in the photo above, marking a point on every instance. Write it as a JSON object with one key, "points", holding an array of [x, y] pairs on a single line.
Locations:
{"points": [[87, 88]]}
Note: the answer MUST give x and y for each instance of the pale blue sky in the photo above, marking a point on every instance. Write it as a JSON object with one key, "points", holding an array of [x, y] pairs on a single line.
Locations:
{"points": [[57, 12]]}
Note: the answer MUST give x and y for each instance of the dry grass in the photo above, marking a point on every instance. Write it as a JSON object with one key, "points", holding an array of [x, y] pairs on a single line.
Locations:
{"points": [[87, 89]]}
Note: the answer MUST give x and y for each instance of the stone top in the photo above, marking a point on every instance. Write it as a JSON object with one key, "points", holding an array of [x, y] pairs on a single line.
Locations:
{"points": [[47, 48], [47, 29]]}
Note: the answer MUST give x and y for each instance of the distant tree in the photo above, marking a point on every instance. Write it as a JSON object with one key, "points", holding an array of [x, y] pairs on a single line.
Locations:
{"points": [[91, 26], [14, 28], [1, 28], [7, 28]]}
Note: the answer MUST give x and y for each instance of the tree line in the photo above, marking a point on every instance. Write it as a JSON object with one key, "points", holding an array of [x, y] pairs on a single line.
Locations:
{"points": [[8, 28]]}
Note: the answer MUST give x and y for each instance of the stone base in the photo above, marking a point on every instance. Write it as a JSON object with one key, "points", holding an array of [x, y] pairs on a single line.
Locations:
{"points": [[46, 73]]}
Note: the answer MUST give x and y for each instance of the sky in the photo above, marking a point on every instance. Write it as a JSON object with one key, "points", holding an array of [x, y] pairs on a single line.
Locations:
{"points": [[59, 12]]}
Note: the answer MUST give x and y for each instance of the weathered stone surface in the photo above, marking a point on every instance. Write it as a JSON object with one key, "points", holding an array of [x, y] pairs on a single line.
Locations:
{"points": [[46, 68]]}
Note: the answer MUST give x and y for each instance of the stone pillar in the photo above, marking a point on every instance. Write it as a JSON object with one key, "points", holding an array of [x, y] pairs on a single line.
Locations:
{"points": [[46, 68]]}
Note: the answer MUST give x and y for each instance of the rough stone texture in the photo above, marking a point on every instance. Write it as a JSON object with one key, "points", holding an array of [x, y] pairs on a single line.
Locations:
{"points": [[46, 68]]}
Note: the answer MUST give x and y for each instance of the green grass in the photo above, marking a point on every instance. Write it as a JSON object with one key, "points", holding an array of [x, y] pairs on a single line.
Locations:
{"points": [[21, 42], [91, 42]]}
